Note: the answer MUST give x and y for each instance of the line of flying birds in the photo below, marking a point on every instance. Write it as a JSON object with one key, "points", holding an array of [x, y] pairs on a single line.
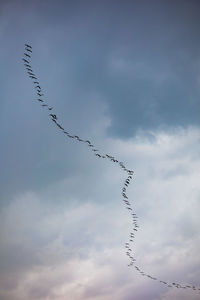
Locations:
{"points": [[128, 245]]}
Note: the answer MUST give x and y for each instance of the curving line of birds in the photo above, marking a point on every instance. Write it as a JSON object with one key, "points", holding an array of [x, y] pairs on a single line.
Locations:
{"points": [[128, 245]]}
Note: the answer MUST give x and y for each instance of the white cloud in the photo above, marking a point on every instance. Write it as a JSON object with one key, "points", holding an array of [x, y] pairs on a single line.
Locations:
{"points": [[74, 249]]}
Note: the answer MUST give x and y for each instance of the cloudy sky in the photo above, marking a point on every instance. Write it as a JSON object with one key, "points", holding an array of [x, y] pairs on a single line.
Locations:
{"points": [[125, 75]]}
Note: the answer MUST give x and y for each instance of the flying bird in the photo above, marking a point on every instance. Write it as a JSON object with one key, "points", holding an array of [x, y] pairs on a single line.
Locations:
{"points": [[59, 126], [27, 45], [27, 55], [25, 60], [53, 116], [27, 49]]}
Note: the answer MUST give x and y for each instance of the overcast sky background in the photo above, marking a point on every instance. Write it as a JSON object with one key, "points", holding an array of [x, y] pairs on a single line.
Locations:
{"points": [[126, 75]]}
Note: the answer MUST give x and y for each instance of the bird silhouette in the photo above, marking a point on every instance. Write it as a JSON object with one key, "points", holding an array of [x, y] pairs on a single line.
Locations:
{"points": [[59, 126], [27, 49], [27, 45], [27, 55], [53, 116], [25, 60]]}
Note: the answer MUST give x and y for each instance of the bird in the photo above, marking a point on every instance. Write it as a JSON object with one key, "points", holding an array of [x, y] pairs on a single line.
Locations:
{"points": [[53, 116], [27, 49], [40, 100], [33, 77], [44, 105], [124, 195], [59, 126], [25, 60], [78, 138], [88, 142], [127, 203], [40, 94], [36, 82], [27, 45], [50, 108], [27, 55]]}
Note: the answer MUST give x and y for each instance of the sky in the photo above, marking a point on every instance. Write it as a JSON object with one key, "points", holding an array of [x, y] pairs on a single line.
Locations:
{"points": [[126, 76]]}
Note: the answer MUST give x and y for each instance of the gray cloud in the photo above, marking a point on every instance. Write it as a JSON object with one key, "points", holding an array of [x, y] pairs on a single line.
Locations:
{"points": [[125, 77]]}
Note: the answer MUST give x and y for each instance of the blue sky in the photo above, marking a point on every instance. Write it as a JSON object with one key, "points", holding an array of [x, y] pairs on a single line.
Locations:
{"points": [[125, 75]]}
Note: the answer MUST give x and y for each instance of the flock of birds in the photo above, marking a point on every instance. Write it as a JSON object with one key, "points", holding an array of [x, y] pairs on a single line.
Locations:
{"points": [[129, 244]]}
